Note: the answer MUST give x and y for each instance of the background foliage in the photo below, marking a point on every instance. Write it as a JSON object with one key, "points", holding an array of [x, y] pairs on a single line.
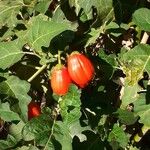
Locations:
{"points": [[111, 111]]}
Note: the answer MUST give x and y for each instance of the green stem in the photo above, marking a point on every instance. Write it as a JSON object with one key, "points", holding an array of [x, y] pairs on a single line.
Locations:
{"points": [[37, 73], [30, 53], [52, 131], [59, 57]]}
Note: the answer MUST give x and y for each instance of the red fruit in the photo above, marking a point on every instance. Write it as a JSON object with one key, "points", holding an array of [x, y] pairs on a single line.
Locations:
{"points": [[60, 80], [80, 69], [34, 110]]}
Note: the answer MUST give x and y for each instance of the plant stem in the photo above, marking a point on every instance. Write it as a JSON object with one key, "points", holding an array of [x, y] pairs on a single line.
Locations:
{"points": [[137, 137], [59, 57], [30, 53], [37, 73], [145, 38]]}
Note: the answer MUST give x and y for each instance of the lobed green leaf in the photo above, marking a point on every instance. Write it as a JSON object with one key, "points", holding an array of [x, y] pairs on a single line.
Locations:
{"points": [[8, 12], [41, 31], [70, 105], [10, 53], [118, 138], [17, 89]]}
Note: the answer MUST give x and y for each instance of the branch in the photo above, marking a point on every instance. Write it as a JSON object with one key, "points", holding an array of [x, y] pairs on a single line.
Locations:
{"points": [[52, 131], [145, 38], [37, 73]]}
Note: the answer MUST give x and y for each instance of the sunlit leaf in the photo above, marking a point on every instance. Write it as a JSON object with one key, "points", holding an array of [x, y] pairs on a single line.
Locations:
{"points": [[138, 58], [40, 32], [141, 18], [130, 95], [135, 62], [42, 6], [10, 53], [8, 12], [117, 137]]}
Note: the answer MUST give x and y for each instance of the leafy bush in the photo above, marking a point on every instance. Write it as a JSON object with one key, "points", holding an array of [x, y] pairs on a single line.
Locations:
{"points": [[111, 111]]}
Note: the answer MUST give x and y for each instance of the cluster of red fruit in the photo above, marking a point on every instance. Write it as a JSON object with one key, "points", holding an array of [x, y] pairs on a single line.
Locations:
{"points": [[79, 70]]}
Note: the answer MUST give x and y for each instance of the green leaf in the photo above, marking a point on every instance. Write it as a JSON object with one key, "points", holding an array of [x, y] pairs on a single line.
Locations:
{"points": [[130, 95], [118, 138], [135, 62], [6, 114], [84, 17], [75, 3], [104, 8], [60, 17], [27, 148], [42, 5], [141, 18], [8, 143], [138, 57], [46, 132], [62, 40], [15, 135], [10, 53], [62, 134], [6, 33], [38, 128], [126, 117], [116, 30], [93, 142], [93, 34], [8, 12], [40, 32], [77, 130], [16, 130], [142, 109], [70, 105], [110, 59], [133, 148], [17, 89], [107, 65]]}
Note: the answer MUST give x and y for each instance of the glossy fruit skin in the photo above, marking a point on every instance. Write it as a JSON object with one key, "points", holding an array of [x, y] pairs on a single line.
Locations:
{"points": [[34, 110], [60, 80], [80, 69]]}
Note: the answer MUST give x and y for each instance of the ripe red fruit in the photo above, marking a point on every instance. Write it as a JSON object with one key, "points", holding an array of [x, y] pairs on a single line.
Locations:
{"points": [[34, 110], [60, 80], [80, 69]]}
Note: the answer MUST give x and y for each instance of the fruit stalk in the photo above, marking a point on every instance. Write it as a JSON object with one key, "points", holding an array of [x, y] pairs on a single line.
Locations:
{"points": [[59, 57]]}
